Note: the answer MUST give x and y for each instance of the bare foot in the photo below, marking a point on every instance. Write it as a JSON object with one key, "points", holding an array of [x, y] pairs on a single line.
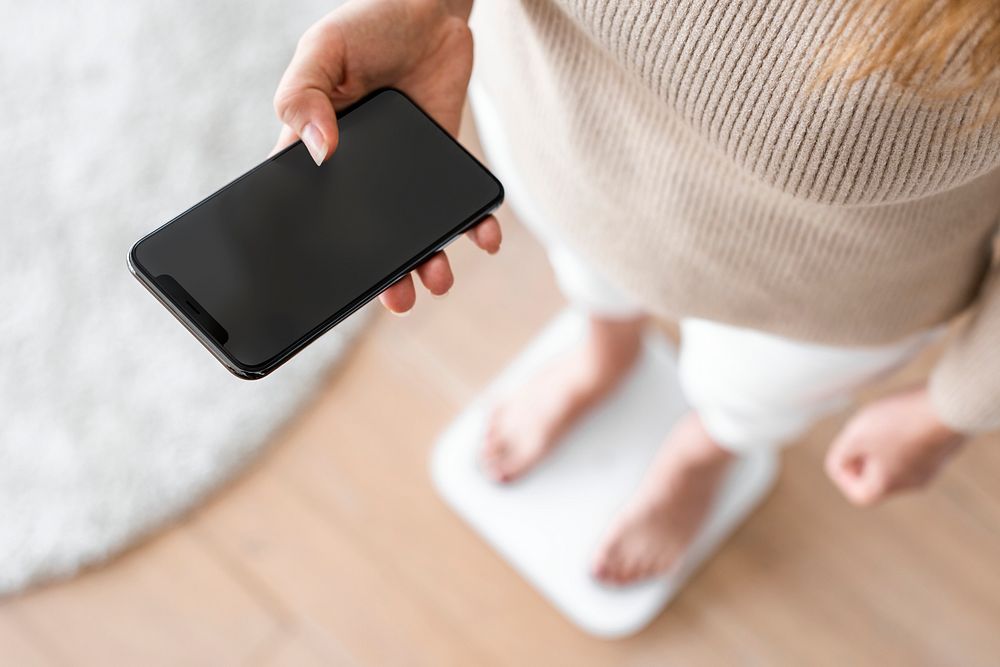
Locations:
{"points": [[663, 517], [527, 425]]}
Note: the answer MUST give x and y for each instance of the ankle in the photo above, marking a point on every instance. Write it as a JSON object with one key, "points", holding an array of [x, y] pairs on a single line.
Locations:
{"points": [[695, 449], [613, 344], [708, 454]]}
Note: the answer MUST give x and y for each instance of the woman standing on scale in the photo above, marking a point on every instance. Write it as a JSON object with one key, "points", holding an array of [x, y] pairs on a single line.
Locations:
{"points": [[811, 189]]}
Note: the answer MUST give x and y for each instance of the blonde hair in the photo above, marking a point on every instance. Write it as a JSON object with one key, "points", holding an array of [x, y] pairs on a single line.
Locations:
{"points": [[939, 48]]}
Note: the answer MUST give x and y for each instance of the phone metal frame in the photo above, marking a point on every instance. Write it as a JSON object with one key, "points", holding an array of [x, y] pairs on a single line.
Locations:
{"points": [[258, 371]]}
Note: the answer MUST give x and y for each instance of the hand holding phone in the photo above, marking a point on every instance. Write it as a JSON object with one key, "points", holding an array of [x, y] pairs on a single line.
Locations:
{"points": [[423, 48], [269, 263]]}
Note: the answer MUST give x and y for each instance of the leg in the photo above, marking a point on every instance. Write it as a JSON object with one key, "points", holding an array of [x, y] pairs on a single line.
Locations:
{"points": [[668, 509], [748, 389], [528, 424]]}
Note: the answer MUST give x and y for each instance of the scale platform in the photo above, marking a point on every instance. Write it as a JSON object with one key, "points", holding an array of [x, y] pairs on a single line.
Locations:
{"points": [[548, 524]]}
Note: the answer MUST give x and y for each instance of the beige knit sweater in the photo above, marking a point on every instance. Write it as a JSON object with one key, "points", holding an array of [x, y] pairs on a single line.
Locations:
{"points": [[680, 145]]}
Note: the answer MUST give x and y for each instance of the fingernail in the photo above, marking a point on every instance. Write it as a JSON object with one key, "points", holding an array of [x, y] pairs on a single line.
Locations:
{"points": [[315, 144], [438, 296], [405, 313]]}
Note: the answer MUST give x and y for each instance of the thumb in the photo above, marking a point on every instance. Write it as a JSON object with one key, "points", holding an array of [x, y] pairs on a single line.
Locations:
{"points": [[302, 100]]}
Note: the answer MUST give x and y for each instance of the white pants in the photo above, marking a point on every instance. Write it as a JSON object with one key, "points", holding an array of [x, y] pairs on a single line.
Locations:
{"points": [[750, 389]]}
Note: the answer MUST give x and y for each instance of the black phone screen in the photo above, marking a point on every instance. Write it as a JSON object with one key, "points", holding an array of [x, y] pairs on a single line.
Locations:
{"points": [[290, 247]]}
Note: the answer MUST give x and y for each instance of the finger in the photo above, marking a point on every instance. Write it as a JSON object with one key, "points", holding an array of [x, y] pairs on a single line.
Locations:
{"points": [[486, 235], [841, 463], [847, 466], [436, 274], [303, 99], [842, 458], [862, 480], [286, 138], [400, 296], [872, 486], [845, 474]]}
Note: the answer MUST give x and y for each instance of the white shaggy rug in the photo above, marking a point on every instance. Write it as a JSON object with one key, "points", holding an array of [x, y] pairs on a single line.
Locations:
{"points": [[116, 115]]}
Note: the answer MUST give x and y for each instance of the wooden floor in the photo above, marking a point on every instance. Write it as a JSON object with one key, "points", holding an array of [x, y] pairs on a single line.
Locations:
{"points": [[334, 548]]}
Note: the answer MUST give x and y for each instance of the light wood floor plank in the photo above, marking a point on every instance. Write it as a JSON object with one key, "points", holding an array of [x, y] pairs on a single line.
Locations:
{"points": [[304, 645], [327, 575], [167, 602], [18, 646]]}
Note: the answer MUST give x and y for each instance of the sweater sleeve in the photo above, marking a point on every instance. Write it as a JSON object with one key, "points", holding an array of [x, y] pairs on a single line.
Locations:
{"points": [[965, 385]]}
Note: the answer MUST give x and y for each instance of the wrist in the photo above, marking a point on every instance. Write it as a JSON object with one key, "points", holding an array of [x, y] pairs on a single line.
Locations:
{"points": [[935, 423], [460, 8], [457, 8]]}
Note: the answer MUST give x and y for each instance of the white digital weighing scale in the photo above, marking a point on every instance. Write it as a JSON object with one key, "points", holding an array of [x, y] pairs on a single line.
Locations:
{"points": [[548, 524]]}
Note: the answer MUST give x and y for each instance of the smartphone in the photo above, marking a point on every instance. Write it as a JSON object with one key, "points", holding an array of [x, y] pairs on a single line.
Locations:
{"points": [[269, 263]]}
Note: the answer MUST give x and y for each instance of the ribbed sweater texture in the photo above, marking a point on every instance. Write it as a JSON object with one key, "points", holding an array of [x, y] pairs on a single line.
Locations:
{"points": [[690, 149]]}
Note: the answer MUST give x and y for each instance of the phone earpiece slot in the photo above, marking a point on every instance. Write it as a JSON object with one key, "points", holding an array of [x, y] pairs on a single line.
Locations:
{"points": [[191, 308]]}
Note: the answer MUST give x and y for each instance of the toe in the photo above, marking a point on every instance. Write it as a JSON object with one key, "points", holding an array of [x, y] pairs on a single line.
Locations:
{"points": [[620, 574], [493, 446], [496, 469], [510, 468], [518, 459], [606, 564], [493, 455], [639, 572], [500, 460], [498, 454], [599, 568], [646, 570], [629, 572]]}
